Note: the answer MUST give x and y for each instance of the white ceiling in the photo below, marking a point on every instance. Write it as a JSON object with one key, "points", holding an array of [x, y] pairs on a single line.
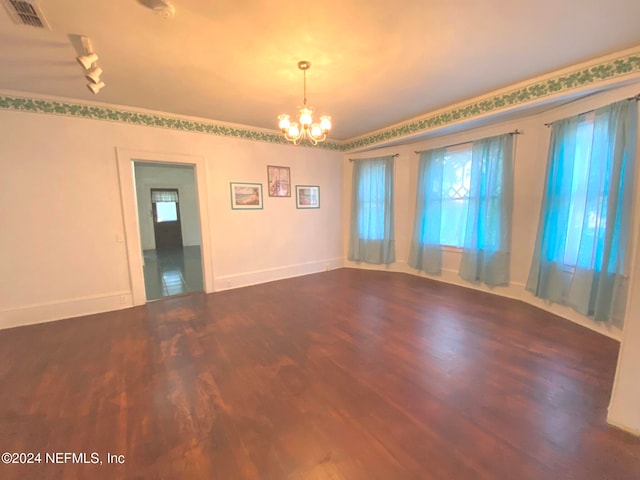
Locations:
{"points": [[374, 62]]}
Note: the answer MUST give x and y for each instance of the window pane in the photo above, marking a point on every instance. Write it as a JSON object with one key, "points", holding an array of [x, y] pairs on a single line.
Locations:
{"points": [[455, 192], [166, 212], [583, 218], [453, 222], [371, 196]]}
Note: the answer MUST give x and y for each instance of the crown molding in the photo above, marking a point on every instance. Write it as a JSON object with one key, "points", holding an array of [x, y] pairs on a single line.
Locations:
{"points": [[589, 75], [148, 119], [557, 84]]}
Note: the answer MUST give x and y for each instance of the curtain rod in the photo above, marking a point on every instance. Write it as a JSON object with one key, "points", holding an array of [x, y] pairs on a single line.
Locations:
{"points": [[515, 132], [636, 98], [354, 159]]}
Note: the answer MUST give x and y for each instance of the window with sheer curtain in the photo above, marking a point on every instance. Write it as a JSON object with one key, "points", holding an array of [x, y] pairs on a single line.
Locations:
{"points": [[371, 229], [580, 258], [456, 184], [464, 199]]}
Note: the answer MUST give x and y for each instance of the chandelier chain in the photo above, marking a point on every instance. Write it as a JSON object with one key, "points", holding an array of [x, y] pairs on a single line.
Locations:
{"points": [[304, 80]]}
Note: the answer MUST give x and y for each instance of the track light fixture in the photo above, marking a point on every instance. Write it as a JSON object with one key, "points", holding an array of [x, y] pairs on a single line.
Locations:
{"points": [[95, 87], [87, 60], [93, 75], [92, 70]]}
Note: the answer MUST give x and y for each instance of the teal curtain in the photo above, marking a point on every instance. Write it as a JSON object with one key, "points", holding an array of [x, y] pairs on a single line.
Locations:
{"points": [[425, 253], [580, 255], [371, 231], [487, 240]]}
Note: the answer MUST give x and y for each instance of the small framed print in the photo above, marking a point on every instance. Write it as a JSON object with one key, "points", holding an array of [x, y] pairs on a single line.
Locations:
{"points": [[279, 181], [246, 196], [307, 196]]}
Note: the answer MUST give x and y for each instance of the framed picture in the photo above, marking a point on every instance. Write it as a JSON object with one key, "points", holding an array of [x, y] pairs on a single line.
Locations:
{"points": [[246, 196], [279, 181], [307, 196]]}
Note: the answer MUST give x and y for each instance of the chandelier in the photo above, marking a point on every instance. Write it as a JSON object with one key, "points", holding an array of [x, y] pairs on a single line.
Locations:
{"points": [[305, 127]]}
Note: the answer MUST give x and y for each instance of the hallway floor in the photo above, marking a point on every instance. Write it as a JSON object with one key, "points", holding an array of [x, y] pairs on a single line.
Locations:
{"points": [[172, 272]]}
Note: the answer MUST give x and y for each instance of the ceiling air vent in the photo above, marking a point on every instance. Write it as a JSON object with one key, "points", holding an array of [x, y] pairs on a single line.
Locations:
{"points": [[26, 12]]}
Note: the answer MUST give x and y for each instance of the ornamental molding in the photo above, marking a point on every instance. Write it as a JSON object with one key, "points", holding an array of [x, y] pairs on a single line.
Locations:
{"points": [[572, 80], [606, 70]]}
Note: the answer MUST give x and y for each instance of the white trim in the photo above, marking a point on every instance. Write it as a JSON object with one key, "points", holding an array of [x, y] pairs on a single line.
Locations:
{"points": [[63, 309], [255, 277], [125, 159], [621, 426]]}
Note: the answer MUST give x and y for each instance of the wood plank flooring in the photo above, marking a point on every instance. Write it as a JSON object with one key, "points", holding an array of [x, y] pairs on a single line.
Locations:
{"points": [[348, 374]]}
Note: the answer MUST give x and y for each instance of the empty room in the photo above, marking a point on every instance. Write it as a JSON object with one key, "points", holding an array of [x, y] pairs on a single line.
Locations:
{"points": [[320, 241]]}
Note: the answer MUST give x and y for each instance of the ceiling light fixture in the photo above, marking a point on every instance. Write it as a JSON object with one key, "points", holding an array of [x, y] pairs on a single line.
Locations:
{"points": [[93, 75], [87, 60], [95, 87], [92, 71], [164, 9], [305, 128]]}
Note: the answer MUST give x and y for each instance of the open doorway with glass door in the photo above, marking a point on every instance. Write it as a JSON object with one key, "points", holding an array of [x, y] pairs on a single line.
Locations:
{"points": [[169, 228]]}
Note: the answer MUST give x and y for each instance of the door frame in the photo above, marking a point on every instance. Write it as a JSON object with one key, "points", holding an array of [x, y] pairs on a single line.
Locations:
{"points": [[125, 160]]}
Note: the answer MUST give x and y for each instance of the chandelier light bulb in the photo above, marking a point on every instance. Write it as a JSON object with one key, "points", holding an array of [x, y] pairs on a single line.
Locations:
{"points": [[306, 128], [305, 117], [325, 123], [283, 122], [316, 131], [294, 131]]}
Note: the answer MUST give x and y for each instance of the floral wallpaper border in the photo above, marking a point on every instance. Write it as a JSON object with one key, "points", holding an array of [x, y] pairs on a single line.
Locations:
{"points": [[594, 74], [92, 112], [608, 70]]}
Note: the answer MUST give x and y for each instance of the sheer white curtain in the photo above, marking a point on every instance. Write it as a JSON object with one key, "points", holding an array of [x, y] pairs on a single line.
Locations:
{"points": [[487, 241], [580, 258], [426, 253], [371, 237]]}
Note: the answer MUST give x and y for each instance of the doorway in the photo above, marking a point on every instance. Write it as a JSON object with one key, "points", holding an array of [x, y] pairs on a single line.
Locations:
{"points": [[169, 226]]}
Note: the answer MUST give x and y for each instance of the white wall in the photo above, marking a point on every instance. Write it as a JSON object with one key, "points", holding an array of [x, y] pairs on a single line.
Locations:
{"points": [[63, 248], [150, 176], [530, 163], [624, 409]]}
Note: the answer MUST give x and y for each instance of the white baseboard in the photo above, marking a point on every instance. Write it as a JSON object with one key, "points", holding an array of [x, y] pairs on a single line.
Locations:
{"points": [[245, 279], [74, 307], [620, 425]]}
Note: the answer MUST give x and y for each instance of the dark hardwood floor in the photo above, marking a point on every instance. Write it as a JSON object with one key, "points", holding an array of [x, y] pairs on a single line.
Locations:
{"points": [[348, 374]]}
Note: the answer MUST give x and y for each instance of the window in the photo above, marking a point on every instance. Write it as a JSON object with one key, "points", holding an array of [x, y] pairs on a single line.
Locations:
{"points": [[371, 229], [584, 216], [581, 196], [580, 259], [456, 183], [166, 212], [465, 199], [371, 201], [165, 204]]}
